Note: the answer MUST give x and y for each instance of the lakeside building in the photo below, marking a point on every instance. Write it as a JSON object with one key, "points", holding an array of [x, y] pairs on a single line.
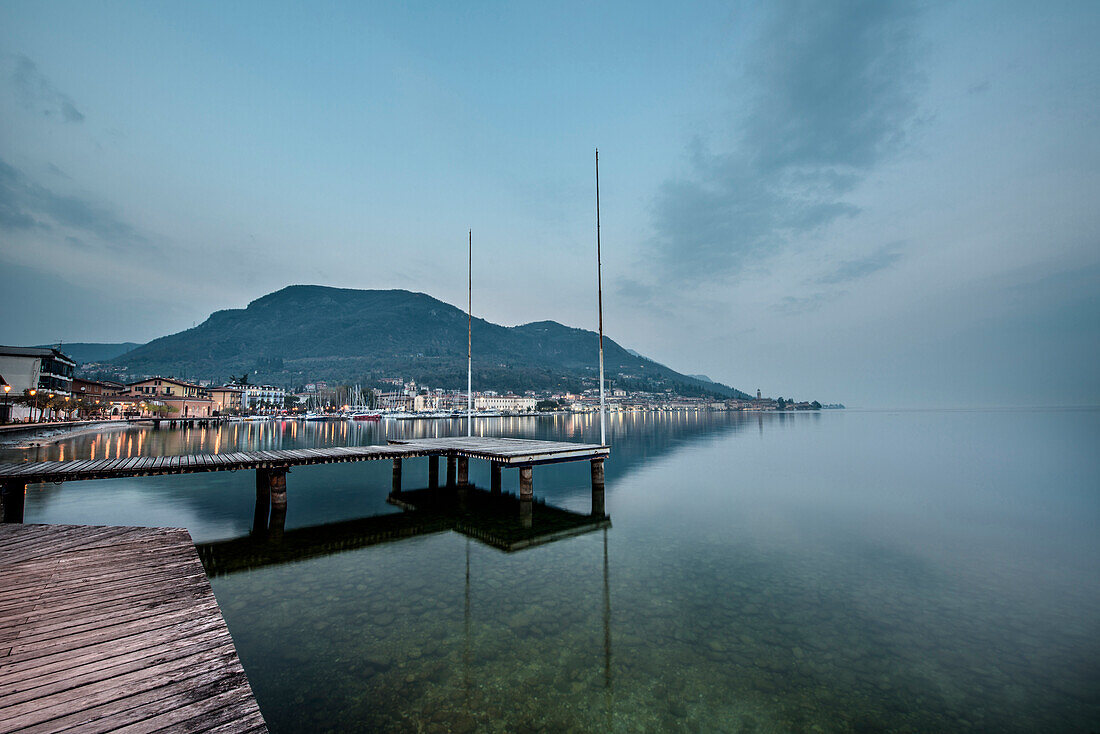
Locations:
{"points": [[257, 397], [184, 399], [42, 369], [96, 388], [227, 398], [37, 368], [510, 403]]}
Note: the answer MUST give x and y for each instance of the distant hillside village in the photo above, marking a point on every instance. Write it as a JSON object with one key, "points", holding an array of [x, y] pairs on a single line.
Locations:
{"points": [[44, 384]]}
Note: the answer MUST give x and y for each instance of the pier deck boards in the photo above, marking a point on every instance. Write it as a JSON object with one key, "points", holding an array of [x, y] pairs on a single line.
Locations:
{"points": [[505, 451], [109, 628]]}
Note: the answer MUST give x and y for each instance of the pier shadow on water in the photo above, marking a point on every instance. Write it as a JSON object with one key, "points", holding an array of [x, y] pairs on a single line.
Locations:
{"points": [[499, 520]]}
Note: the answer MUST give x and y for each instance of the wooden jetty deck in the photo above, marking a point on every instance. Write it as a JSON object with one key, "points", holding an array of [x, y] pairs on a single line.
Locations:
{"points": [[272, 466], [114, 629], [506, 451]]}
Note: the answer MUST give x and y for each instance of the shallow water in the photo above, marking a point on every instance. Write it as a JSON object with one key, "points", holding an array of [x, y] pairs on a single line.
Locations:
{"points": [[834, 571]]}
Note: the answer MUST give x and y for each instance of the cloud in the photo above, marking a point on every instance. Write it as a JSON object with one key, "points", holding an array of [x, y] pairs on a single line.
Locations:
{"points": [[793, 305], [37, 94], [25, 205], [979, 87], [850, 270], [833, 92]]}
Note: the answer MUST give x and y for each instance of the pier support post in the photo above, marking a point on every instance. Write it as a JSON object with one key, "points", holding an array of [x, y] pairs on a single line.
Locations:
{"points": [[451, 471], [271, 487], [526, 485], [526, 512], [12, 496], [396, 489], [277, 482], [463, 471], [597, 488], [494, 477], [433, 472]]}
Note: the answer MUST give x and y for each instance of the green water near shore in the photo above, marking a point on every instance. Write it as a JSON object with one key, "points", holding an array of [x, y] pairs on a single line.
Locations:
{"points": [[841, 571]]}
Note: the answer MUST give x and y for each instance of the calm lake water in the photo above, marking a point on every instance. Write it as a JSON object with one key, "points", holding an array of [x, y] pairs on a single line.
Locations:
{"points": [[835, 571]]}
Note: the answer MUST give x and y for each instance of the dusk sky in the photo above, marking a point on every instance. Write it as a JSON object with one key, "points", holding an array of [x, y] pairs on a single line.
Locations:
{"points": [[881, 204]]}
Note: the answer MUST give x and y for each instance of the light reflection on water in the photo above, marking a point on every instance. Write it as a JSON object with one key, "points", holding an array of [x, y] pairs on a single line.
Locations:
{"points": [[821, 572]]}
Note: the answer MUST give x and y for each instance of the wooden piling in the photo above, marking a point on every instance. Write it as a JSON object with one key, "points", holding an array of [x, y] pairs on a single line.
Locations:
{"points": [[597, 488], [272, 481], [433, 471], [494, 477], [12, 497], [451, 461], [396, 488], [526, 484], [597, 473], [463, 471]]}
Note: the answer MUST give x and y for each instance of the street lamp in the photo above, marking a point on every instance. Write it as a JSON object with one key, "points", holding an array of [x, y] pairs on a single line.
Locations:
{"points": [[34, 394], [7, 405]]}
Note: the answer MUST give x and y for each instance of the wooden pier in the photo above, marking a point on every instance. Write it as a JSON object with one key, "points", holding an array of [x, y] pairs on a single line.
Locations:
{"points": [[108, 628], [271, 467]]}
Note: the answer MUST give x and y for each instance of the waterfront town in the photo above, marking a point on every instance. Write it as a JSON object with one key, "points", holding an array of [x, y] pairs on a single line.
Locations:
{"points": [[43, 383]]}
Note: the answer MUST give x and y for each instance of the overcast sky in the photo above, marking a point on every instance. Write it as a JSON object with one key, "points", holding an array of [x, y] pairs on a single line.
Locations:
{"points": [[884, 204]]}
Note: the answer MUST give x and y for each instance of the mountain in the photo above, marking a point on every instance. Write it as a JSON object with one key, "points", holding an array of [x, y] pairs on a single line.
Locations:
{"points": [[304, 333], [83, 352]]}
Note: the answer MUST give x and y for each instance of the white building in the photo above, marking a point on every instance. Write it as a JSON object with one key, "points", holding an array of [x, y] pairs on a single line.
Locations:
{"points": [[253, 397], [507, 403], [33, 368]]}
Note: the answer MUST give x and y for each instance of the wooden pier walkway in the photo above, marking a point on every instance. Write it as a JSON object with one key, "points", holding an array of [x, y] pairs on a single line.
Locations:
{"points": [[271, 467], [114, 628], [506, 451]]}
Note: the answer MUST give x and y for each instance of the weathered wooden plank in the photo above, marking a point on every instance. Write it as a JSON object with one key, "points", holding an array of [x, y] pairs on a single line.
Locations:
{"points": [[124, 622], [39, 711], [75, 467], [110, 624], [140, 586], [107, 717], [105, 652], [56, 681], [198, 715], [112, 601]]}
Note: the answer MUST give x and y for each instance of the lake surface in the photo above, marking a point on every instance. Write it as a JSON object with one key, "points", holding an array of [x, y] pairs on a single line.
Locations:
{"points": [[833, 571]]}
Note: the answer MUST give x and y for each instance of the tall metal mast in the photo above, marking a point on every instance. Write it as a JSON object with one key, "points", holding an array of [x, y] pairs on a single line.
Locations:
{"points": [[470, 343], [599, 291]]}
